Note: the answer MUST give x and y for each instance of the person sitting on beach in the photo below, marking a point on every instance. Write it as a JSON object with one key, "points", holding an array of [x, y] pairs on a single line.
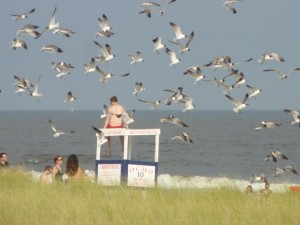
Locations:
{"points": [[249, 189], [266, 192], [73, 169], [44, 178], [57, 172], [114, 120], [3, 160]]}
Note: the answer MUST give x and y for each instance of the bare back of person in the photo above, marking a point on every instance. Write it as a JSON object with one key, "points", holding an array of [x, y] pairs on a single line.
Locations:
{"points": [[114, 120]]}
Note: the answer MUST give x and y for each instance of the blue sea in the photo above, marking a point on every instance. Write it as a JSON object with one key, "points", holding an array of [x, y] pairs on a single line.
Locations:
{"points": [[226, 150]]}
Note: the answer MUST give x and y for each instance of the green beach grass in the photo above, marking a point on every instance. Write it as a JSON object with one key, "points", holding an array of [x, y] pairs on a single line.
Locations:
{"points": [[26, 201]]}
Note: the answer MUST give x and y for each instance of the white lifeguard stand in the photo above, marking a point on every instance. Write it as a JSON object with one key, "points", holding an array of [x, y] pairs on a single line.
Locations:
{"points": [[110, 172]]}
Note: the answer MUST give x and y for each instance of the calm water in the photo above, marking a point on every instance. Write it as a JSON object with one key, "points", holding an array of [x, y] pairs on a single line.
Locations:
{"points": [[225, 144]]}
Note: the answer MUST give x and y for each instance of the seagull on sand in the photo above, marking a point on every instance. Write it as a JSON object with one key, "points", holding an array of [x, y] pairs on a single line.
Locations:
{"points": [[183, 137], [267, 124], [138, 87], [295, 114], [173, 57], [186, 47], [153, 104], [18, 43], [106, 76], [195, 73], [228, 4], [174, 120], [22, 16], [158, 45], [253, 91], [178, 33], [69, 98], [278, 171], [100, 134], [273, 156], [282, 75], [57, 132], [51, 49], [107, 54], [270, 56], [239, 105], [136, 58]]}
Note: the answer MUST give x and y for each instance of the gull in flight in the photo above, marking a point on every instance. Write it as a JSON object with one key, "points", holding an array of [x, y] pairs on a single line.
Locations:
{"points": [[228, 4], [53, 24], [267, 124], [100, 134], [183, 137], [138, 87], [22, 16], [147, 7], [107, 54], [253, 91], [51, 49], [158, 45], [22, 84], [29, 30], [178, 33], [282, 75], [136, 58], [273, 156], [278, 171], [295, 114], [260, 177], [162, 11], [174, 120], [153, 104], [128, 117], [176, 97], [224, 62], [35, 93], [188, 104], [57, 132], [195, 73], [91, 67], [63, 68], [104, 24], [239, 105], [270, 56], [18, 43], [106, 76], [64, 31], [186, 47], [173, 57], [69, 98]]}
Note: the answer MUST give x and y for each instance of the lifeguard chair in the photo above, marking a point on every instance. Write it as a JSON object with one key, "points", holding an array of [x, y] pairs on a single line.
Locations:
{"points": [[110, 172]]}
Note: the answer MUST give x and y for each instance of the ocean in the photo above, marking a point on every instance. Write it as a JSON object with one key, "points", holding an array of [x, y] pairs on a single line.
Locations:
{"points": [[226, 147]]}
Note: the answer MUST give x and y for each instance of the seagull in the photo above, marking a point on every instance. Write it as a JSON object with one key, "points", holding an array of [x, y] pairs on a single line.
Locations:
{"points": [[63, 31], [100, 134], [153, 104], [57, 132], [138, 87], [29, 30], [282, 75], [53, 24], [91, 67], [275, 155], [178, 33], [107, 54], [162, 11], [224, 62], [105, 111], [128, 117], [260, 177], [270, 56], [221, 82], [184, 48], [188, 104], [69, 98], [176, 96], [106, 76], [136, 58], [22, 84], [267, 124], [51, 49], [63, 68], [104, 24], [103, 33], [147, 7], [239, 105], [173, 57], [35, 92], [228, 4], [195, 73], [278, 171], [158, 45], [18, 43], [253, 91], [295, 114], [174, 120], [23, 15], [183, 137]]}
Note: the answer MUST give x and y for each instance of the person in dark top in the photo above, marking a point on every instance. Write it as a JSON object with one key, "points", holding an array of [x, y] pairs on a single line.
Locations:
{"points": [[57, 172], [3, 160]]}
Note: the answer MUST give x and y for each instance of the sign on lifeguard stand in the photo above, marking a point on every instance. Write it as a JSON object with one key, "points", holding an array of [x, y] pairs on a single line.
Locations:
{"points": [[111, 172]]}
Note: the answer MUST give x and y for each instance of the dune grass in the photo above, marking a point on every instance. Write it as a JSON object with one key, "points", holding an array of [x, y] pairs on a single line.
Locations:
{"points": [[25, 201]]}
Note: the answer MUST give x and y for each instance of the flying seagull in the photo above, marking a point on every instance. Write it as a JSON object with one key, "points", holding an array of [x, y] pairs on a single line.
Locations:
{"points": [[100, 135], [282, 75], [153, 104], [186, 47], [278, 171], [239, 105], [295, 114], [57, 132], [270, 56], [173, 57], [158, 45], [273, 156], [174, 120], [183, 137], [22, 16]]}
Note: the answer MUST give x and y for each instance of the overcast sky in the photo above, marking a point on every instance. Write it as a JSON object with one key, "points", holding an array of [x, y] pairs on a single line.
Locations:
{"points": [[258, 27]]}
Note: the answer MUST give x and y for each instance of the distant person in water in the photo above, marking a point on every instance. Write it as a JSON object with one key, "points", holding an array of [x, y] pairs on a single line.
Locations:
{"points": [[73, 169], [3, 160], [44, 178], [57, 172], [114, 120]]}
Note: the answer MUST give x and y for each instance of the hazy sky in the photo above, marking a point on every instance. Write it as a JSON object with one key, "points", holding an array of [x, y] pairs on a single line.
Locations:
{"points": [[258, 27]]}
